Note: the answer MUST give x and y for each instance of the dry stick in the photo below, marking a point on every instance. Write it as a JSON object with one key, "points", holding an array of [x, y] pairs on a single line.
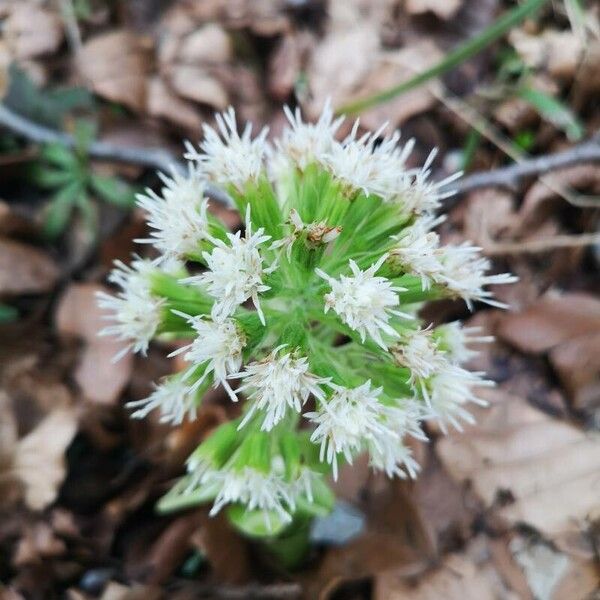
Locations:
{"points": [[510, 177], [156, 158], [161, 159], [539, 246]]}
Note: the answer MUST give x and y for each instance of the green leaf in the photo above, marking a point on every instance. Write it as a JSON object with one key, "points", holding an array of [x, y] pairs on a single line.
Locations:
{"points": [[60, 155], [43, 106], [454, 58], [8, 313], [89, 213], [60, 208], [256, 523], [554, 111], [176, 499], [84, 134], [113, 190], [48, 178]]}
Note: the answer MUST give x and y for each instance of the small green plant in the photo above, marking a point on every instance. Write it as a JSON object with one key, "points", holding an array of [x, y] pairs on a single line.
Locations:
{"points": [[310, 315], [73, 182]]}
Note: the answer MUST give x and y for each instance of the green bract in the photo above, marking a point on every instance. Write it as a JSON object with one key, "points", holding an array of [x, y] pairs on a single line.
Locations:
{"points": [[309, 314]]}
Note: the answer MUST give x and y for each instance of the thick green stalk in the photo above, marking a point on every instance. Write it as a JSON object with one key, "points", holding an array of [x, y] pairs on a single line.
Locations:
{"points": [[459, 55]]}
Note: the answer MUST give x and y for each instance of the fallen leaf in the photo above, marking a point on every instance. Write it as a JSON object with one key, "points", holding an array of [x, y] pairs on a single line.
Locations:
{"points": [[31, 30], [546, 467], [557, 52], [38, 543], [549, 321], [392, 68], [39, 457], [577, 362], [207, 44], [444, 9], [196, 83], [25, 269], [117, 591], [100, 378], [286, 63], [116, 65], [163, 103], [460, 577]]}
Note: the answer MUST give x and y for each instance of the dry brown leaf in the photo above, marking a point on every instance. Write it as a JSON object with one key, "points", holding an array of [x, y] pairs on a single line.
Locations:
{"points": [[577, 362], [39, 457], [197, 84], [207, 44], [442, 8], [340, 63], [25, 270], [99, 377], [558, 52], [116, 591], [163, 103], [548, 467], [38, 543], [395, 537], [31, 30], [460, 577], [286, 63], [116, 65], [549, 321]]}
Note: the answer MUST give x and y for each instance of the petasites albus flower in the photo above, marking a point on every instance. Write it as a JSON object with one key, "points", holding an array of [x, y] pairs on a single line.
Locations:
{"points": [[346, 420], [457, 340], [364, 301], [172, 398], [179, 216], [304, 143], [235, 272], [226, 157], [311, 308], [277, 384], [134, 311], [448, 393], [217, 347], [465, 274]]}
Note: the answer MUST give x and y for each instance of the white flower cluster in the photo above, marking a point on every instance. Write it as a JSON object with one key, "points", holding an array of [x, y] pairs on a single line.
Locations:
{"points": [[311, 308]]}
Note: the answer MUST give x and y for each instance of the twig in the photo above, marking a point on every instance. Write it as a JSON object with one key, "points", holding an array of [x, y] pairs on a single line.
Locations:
{"points": [[544, 245], [510, 177], [161, 159], [156, 158]]}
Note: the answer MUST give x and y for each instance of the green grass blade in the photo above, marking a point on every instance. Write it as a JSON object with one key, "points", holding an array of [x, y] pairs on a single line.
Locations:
{"points": [[459, 55]]}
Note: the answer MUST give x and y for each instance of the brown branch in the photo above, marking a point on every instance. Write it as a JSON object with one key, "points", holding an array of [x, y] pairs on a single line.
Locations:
{"points": [[509, 177], [512, 176], [156, 158]]}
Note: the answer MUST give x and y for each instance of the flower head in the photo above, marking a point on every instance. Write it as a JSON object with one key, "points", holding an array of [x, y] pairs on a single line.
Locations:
{"points": [[304, 143], [267, 492], [456, 339], [368, 163], [364, 301], [228, 158], [464, 274], [449, 391], [172, 398], [218, 347], [415, 251], [235, 272], [420, 353], [135, 311], [419, 194], [276, 384], [178, 217], [346, 420]]}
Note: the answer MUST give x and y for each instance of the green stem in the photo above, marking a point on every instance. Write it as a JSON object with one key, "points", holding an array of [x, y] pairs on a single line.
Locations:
{"points": [[465, 51]]}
